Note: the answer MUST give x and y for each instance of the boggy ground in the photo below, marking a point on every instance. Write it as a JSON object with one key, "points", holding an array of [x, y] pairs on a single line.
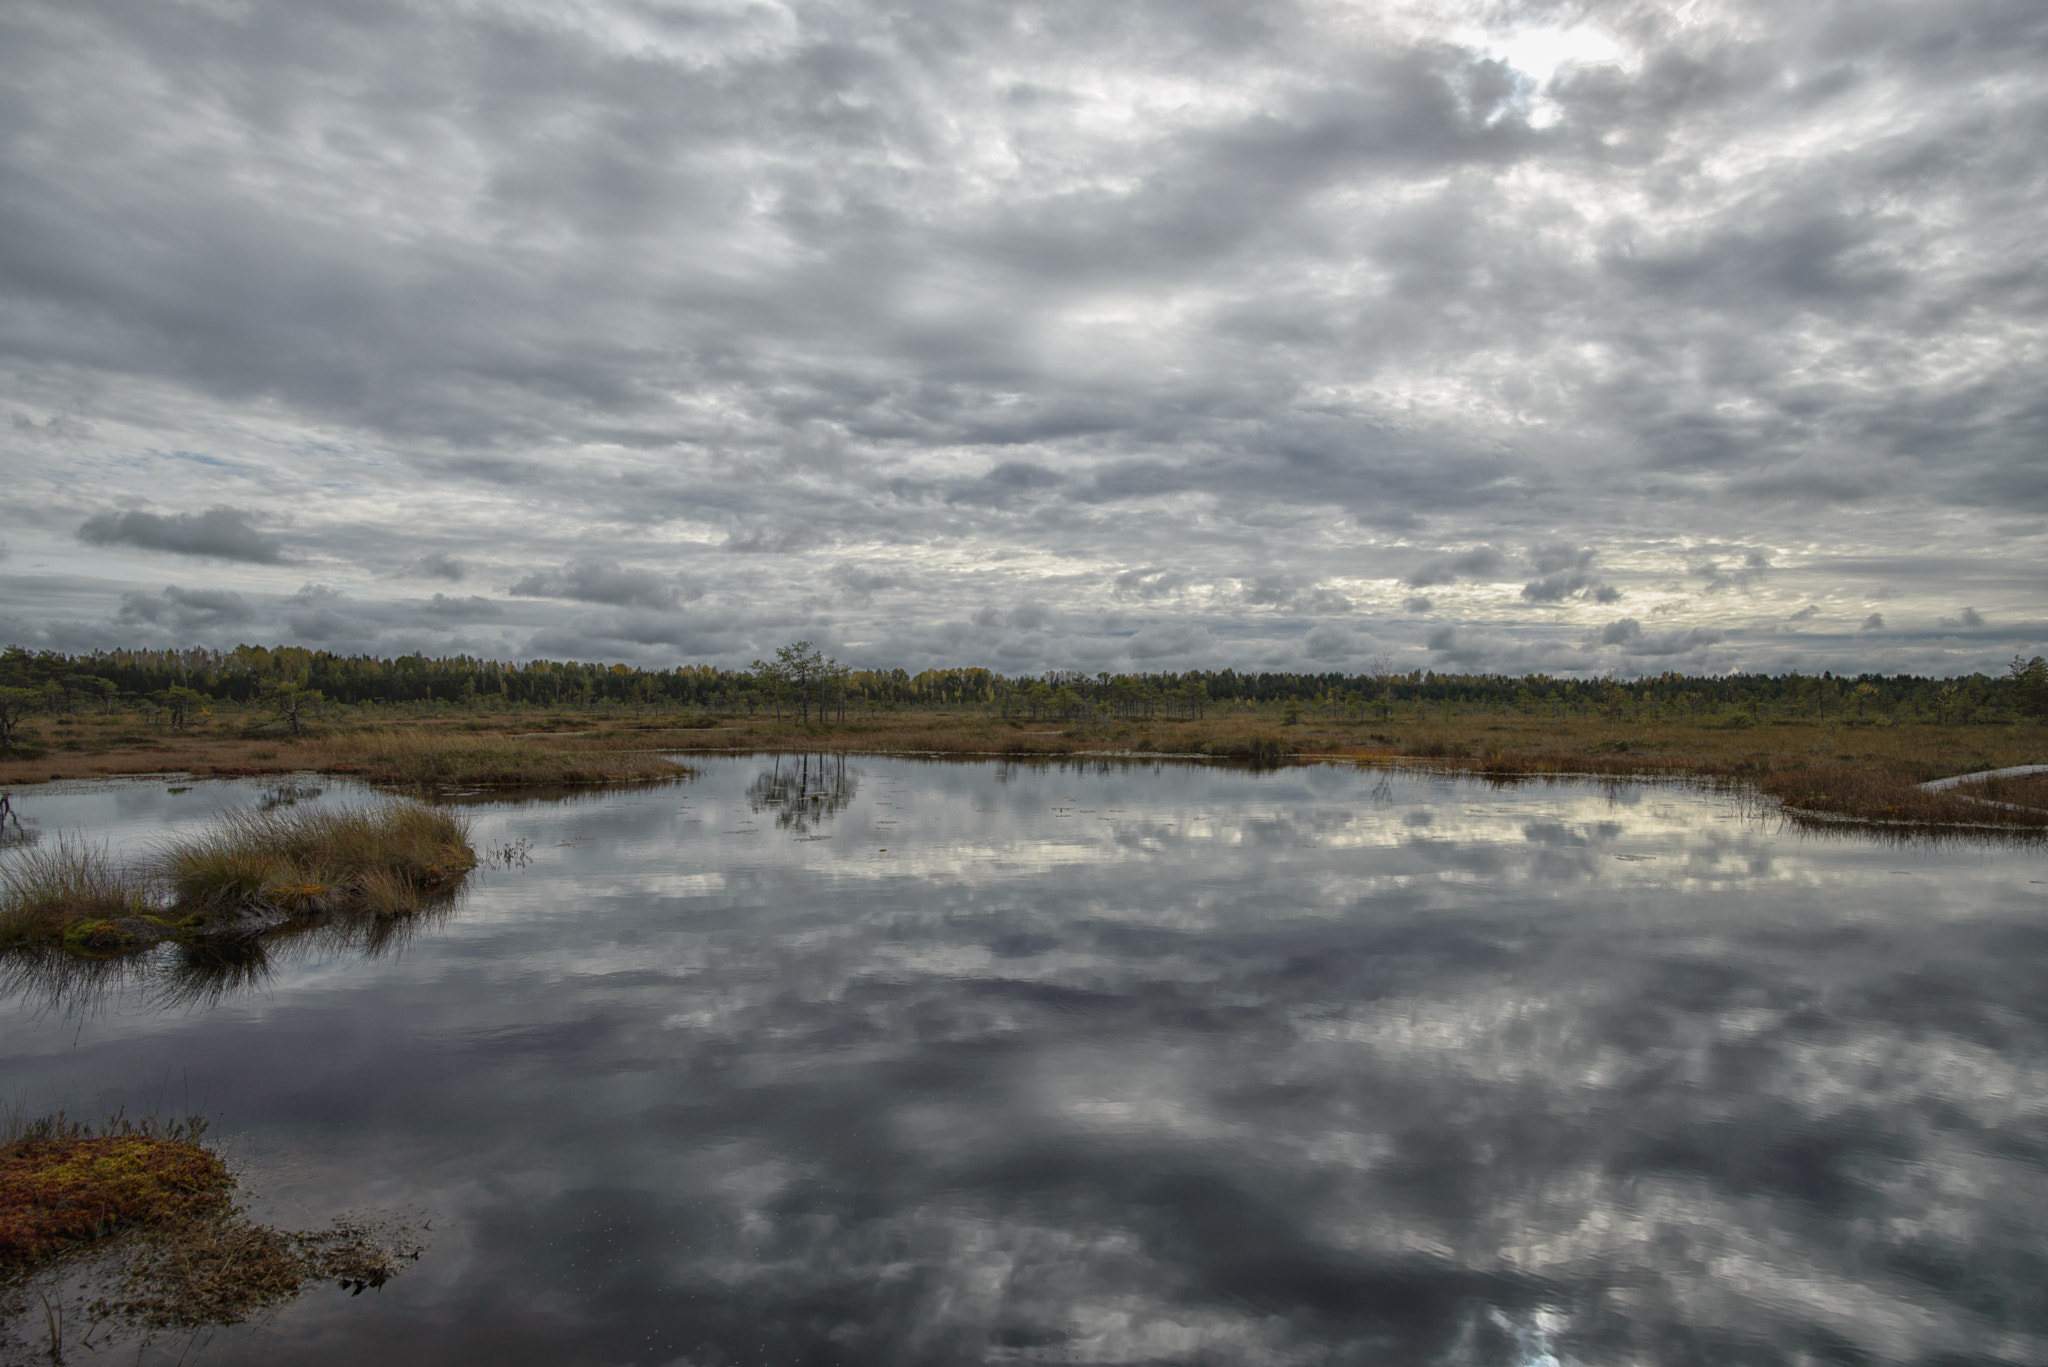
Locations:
{"points": [[1862, 769], [122, 1229], [1832, 771], [466, 753]]}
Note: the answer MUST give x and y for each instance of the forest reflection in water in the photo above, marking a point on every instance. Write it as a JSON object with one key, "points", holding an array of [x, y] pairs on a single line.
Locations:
{"points": [[886, 1061]]}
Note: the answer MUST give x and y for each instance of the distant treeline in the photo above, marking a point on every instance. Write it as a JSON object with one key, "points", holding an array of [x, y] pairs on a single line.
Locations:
{"points": [[104, 680]]}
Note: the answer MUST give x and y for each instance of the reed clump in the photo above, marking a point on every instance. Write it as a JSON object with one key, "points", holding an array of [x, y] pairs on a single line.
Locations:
{"points": [[250, 871], [71, 890], [384, 860], [422, 757]]}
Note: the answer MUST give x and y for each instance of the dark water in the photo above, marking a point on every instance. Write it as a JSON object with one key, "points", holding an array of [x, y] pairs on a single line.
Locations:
{"points": [[961, 1063]]}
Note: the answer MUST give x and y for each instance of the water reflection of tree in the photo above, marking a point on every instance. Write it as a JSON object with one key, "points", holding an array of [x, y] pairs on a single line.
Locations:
{"points": [[12, 832], [804, 791]]}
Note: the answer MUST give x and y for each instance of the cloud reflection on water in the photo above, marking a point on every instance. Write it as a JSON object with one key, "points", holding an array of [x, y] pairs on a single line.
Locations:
{"points": [[1106, 1063]]}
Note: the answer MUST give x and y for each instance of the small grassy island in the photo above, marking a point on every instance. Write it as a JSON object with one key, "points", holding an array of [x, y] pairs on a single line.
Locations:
{"points": [[252, 871]]}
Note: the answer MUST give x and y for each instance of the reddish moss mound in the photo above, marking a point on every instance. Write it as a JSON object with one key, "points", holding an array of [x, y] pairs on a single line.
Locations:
{"points": [[55, 1193]]}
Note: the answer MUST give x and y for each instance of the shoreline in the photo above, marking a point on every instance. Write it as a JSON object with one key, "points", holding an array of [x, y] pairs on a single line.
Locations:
{"points": [[1889, 774]]}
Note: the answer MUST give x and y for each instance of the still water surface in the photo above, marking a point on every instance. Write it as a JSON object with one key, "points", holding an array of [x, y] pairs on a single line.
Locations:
{"points": [[893, 1062]]}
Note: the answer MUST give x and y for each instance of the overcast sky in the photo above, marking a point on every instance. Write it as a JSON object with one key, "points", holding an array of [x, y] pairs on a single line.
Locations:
{"points": [[1168, 333]]}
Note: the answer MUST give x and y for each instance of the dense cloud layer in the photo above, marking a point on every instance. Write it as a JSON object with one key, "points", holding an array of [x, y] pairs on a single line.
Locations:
{"points": [[1561, 336]]}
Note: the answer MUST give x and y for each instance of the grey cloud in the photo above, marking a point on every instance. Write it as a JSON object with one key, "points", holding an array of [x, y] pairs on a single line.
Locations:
{"points": [[1291, 595], [1564, 570], [57, 427], [1555, 588], [1621, 632], [1006, 484], [670, 634], [1755, 564], [1179, 641], [1559, 556], [1144, 584], [1628, 634], [1473, 564], [1418, 603], [223, 533], [1329, 644], [799, 280], [1970, 618], [186, 609], [768, 540], [1805, 614], [1874, 622], [471, 609], [319, 615], [440, 565], [863, 584], [600, 581], [1016, 631]]}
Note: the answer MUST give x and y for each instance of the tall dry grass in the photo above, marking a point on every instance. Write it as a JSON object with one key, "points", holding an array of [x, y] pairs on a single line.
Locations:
{"points": [[50, 890], [384, 860]]}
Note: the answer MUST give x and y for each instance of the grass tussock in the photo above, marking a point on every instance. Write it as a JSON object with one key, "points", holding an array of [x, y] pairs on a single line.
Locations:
{"points": [[67, 888], [423, 757], [251, 871], [383, 860]]}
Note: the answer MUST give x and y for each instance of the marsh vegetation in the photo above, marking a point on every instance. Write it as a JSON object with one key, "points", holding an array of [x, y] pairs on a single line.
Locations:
{"points": [[1828, 748], [251, 871], [120, 1229]]}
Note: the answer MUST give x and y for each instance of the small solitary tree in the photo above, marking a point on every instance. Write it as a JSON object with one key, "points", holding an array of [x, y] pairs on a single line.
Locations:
{"points": [[181, 704], [17, 705], [802, 674], [293, 702]]}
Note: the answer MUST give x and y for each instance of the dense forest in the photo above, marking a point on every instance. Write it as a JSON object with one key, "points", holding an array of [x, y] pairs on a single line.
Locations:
{"points": [[172, 682]]}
